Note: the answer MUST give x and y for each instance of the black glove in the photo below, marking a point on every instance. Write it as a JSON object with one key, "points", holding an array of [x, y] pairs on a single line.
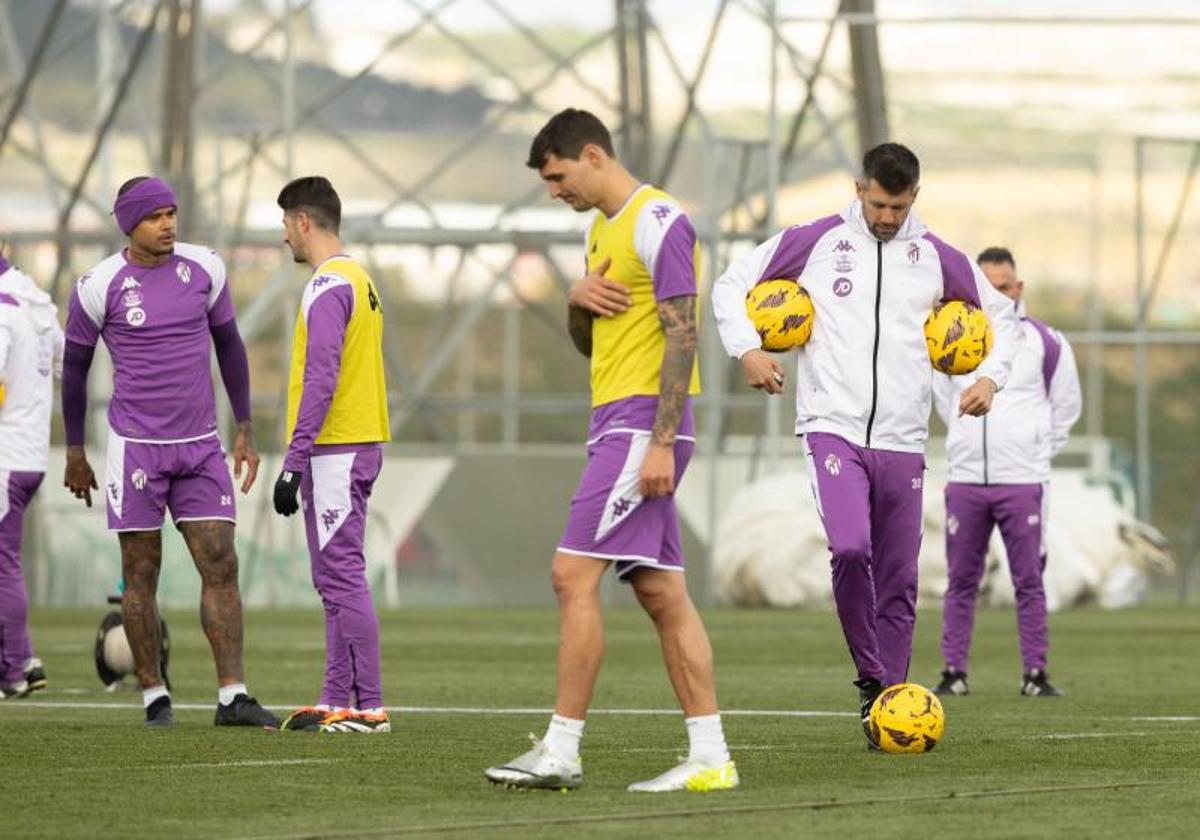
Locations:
{"points": [[287, 486]]}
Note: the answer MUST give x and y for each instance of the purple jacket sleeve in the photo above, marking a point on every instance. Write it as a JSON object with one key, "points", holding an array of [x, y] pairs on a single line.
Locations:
{"points": [[235, 367], [77, 360], [327, 319]]}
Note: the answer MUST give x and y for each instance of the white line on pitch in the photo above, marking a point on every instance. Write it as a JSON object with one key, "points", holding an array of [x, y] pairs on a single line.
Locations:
{"points": [[446, 710], [732, 748], [1170, 718], [207, 765], [1067, 736]]}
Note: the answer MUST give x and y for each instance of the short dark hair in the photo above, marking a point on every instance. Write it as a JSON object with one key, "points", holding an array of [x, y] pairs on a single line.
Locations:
{"points": [[131, 183], [314, 195], [566, 134], [893, 166], [996, 254]]}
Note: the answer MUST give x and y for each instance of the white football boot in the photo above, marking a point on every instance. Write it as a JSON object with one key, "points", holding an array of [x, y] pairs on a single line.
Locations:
{"points": [[538, 768], [692, 776]]}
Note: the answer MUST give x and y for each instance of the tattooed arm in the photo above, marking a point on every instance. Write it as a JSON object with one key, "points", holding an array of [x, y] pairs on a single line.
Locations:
{"points": [[579, 325], [677, 316]]}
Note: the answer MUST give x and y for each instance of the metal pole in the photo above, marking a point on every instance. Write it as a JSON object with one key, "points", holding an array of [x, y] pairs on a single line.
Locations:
{"points": [[512, 371], [1095, 358], [289, 91], [1142, 374], [774, 404], [31, 70]]}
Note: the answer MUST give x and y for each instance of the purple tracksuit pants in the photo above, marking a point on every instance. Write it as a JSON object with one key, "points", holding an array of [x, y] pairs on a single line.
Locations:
{"points": [[870, 505], [15, 647], [972, 510]]}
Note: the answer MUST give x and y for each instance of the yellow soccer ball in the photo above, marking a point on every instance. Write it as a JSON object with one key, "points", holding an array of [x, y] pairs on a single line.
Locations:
{"points": [[959, 337], [907, 718], [782, 313]]}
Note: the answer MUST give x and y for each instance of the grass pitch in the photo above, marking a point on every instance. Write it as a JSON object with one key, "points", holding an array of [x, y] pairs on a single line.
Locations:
{"points": [[1117, 757]]}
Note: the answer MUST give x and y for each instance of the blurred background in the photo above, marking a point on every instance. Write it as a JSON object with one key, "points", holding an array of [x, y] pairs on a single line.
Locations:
{"points": [[1068, 131]]}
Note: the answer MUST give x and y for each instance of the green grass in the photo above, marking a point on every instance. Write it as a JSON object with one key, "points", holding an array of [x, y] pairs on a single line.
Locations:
{"points": [[73, 772]]}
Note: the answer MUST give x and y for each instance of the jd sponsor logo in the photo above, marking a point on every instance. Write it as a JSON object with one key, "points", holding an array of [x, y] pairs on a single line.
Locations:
{"points": [[135, 316], [842, 286]]}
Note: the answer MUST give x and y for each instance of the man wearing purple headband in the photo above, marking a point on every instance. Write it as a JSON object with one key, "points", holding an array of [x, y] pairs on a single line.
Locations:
{"points": [[160, 305]]}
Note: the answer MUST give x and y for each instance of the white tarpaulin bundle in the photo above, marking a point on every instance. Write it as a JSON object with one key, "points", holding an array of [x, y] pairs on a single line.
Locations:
{"points": [[771, 548]]}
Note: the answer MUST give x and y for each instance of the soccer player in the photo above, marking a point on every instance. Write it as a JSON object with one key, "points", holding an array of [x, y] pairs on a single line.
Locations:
{"points": [[874, 272], [31, 348], [999, 476], [160, 306], [337, 424], [634, 315]]}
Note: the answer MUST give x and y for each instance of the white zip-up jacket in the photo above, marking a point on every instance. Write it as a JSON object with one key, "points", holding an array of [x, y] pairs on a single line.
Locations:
{"points": [[1028, 424], [865, 373], [31, 350]]}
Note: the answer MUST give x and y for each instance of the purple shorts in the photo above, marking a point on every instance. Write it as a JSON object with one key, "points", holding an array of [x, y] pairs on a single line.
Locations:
{"points": [[609, 518], [144, 479]]}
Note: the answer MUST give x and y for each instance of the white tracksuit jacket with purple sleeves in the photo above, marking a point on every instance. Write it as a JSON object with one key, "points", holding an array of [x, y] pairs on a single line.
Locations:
{"points": [[865, 373]]}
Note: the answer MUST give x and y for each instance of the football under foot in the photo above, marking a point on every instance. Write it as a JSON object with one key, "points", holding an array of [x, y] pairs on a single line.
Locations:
{"points": [[693, 776], [538, 769]]}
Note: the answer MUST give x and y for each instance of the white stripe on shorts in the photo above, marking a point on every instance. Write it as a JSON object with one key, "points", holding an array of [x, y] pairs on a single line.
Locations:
{"points": [[331, 493], [627, 487]]}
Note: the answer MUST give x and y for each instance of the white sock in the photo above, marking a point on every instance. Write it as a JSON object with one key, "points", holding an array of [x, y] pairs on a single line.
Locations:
{"points": [[563, 737], [31, 663], [149, 695], [226, 693], [706, 740]]}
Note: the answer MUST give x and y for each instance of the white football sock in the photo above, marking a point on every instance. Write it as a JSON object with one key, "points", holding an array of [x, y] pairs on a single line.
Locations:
{"points": [[563, 737], [31, 663], [226, 693], [149, 695], [706, 740]]}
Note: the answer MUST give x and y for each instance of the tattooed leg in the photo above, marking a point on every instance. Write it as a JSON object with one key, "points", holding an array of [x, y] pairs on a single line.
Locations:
{"points": [[211, 544], [141, 559]]}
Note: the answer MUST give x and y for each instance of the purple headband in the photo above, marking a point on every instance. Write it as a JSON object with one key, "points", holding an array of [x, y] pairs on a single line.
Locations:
{"points": [[140, 201]]}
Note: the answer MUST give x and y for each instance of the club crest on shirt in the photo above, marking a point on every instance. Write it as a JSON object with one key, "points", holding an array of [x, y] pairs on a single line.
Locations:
{"points": [[833, 464], [135, 316], [844, 264], [184, 272], [914, 253], [131, 298]]}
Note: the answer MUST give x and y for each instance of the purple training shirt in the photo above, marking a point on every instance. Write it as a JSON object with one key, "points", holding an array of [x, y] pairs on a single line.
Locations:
{"points": [[156, 323]]}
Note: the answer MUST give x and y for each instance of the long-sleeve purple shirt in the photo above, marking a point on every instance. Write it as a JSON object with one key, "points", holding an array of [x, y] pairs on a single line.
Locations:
{"points": [[327, 319]]}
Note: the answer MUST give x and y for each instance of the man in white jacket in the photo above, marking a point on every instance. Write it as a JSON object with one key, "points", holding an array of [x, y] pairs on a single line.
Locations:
{"points": [[31, 349], [874, 272], [999, 473]]}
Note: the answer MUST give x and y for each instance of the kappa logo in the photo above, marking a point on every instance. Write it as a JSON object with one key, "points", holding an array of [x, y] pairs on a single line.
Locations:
{"points": [[130, 283], [833, 464], [842, 286], [914, 253], [660, 212], [330, 517], [952, 525], [621, 507], [114, 491], [323, 280], [139, 479], [135, 316], [917, 483], [184, 272], [843, 246]]}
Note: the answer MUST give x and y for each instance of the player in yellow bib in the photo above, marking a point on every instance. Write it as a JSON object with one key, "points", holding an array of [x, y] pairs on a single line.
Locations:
{"points": [[634, 315], [337, 424]]}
